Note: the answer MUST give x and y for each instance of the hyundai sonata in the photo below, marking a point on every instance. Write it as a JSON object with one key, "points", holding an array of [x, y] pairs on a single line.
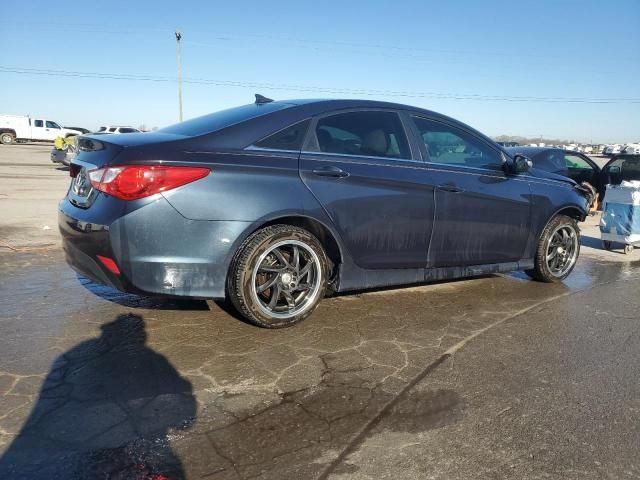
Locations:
{"points": [[276, 203]]}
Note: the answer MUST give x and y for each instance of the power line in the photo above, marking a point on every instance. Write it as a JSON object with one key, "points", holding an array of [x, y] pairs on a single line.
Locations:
{"points": [[328, 44], [312, 88]]}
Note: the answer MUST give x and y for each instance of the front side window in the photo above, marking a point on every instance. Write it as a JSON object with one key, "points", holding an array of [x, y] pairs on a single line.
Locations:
{"points": [[367, 133], [553, 161], [38, 123], [52, 124], [449, 145], [574, 162], [289, 138], [113, 129], [102, 129]]}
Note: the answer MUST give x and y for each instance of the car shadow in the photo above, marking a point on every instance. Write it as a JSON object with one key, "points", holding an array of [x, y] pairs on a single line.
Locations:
{"points": [[132, 300], [104, 411]]}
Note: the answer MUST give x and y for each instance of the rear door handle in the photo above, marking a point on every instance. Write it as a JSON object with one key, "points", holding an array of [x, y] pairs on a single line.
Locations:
{"points": [[449, 188], [334, 172]]}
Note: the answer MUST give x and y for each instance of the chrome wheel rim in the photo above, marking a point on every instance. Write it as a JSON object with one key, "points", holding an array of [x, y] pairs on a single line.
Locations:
{"points": [[562, 250], [286, 279]]}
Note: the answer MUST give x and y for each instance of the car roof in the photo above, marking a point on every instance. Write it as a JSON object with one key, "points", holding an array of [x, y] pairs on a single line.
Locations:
{"points": [[315, 106]]}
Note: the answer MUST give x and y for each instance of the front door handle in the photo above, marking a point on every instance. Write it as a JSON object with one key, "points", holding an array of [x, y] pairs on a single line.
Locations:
{"points": [[334, 172], [449, 188]]}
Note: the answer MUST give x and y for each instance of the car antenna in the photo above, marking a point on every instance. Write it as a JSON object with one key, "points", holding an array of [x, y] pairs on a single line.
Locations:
{"points": [[260, 99]]}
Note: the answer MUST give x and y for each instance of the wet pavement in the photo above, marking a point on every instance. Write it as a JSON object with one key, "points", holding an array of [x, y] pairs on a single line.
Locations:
{"points": [[492, 377]]}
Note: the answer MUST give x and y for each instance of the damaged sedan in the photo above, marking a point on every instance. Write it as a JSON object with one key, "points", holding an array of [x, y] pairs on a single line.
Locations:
{"points": [[275, 204]]}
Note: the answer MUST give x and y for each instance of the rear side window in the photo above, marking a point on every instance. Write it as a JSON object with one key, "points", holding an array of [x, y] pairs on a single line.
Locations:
{"points": [[225, 118], [102, 129], [366, 133], [449, 145], [289, 138], [38, 123], [113, 129]]}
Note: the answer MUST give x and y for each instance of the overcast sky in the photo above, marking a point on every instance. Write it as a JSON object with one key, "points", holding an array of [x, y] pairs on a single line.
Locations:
{"points": [[562, 68]]}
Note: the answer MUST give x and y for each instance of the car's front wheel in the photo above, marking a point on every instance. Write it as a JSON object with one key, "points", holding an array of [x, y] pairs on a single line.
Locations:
{"points": [[278, 276], [557, 251]]}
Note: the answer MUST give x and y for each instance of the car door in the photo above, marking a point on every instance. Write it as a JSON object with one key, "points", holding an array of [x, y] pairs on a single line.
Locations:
{"points": [[38, 131], [359, 166], [581, 169], [482, 214], [52, 130]]}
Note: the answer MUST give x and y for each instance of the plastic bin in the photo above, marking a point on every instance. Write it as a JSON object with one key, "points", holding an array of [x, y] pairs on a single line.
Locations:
{"points": [[620, 220]]}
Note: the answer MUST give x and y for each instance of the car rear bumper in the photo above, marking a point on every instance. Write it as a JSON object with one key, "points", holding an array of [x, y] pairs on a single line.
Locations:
{"points": [[157, 250]]}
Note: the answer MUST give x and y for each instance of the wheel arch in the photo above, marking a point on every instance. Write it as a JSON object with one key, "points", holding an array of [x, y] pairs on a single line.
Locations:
{"points": [[327, 237], [571, 211]]}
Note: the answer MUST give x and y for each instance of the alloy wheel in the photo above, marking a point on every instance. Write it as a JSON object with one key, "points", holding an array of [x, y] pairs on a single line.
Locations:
{"points": [[562, 250], [286, 279]]}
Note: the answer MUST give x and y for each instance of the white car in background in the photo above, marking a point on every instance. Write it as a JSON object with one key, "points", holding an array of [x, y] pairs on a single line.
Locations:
{"points": [[632, 149], [612, 149], [118, 129]]}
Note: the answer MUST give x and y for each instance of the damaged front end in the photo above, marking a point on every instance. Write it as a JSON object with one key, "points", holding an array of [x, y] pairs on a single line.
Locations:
{"points": [[591, 194]]}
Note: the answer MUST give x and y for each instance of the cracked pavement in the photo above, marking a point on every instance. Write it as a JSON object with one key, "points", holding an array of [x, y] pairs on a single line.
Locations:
{"points": [[491, 377]]}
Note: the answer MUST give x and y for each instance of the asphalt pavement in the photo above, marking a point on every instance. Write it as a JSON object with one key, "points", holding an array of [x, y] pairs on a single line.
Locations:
{"points": [[491, 377]]}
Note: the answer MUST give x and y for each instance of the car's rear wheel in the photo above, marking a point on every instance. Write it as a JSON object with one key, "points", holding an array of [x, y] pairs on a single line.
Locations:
{"points": [[7, 138], [278, 276], [558, 250]]}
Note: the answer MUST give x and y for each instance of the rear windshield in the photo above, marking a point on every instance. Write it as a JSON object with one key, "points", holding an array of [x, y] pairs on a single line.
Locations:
{"points": [[224, 118]]}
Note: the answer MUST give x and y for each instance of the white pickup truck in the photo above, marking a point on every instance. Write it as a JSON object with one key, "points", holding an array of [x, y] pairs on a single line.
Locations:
{"points": [[17, 127]]}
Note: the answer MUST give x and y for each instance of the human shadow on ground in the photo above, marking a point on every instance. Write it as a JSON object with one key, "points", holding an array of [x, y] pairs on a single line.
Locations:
{"points": [[104, 411]]}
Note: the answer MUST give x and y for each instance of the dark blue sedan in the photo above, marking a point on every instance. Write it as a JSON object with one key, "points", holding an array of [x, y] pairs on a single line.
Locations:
{"points": [[275, 204]]}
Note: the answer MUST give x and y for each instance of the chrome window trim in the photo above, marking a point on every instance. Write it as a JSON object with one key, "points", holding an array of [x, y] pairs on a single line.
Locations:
{"points": [[275, 150], [369, 157]]}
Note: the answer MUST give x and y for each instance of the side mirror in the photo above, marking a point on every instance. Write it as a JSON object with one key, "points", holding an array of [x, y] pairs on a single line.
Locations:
{"points": [[615, 169], [521, 163]]}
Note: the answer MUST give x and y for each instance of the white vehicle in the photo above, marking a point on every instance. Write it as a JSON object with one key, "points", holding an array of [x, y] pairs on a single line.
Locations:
{"points": [[18, 127], [632, 149], [117, 129], [612, 149]]}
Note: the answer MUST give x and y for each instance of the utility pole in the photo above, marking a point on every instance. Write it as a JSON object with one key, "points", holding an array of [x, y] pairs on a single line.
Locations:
{"points": [[179, 58]]}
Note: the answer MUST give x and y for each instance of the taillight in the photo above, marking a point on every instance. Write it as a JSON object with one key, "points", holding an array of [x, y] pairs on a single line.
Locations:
{"points": [[139, 181]]}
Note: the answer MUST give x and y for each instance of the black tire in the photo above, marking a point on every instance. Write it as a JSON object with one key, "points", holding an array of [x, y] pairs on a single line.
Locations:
{"points": [[542, 271], [242, 288], [7, 138]]}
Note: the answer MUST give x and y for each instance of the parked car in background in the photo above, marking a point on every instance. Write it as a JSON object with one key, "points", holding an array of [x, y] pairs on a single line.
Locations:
{"points": [[117, 129], [612, 150], [80, 129], [273, 204], [17, 127], [508, 144], [631, 149]]}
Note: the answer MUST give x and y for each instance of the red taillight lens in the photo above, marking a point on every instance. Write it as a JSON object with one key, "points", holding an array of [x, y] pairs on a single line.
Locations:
{"points": [[110, 264], [134, 182]]}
